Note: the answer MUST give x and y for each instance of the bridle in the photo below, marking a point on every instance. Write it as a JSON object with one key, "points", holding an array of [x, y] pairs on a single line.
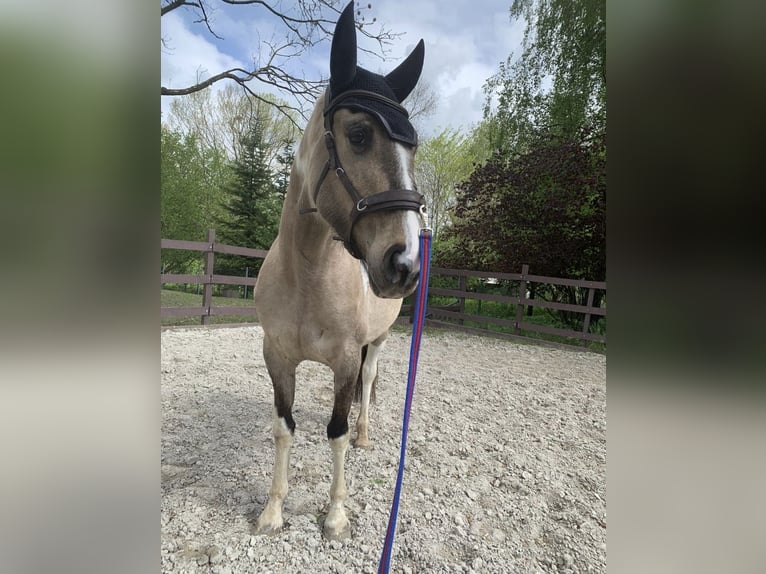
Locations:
{"points": [[391, 200]]}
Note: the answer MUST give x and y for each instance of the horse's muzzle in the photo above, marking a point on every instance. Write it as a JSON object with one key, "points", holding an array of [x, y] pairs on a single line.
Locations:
{"points": [[401, 271]]}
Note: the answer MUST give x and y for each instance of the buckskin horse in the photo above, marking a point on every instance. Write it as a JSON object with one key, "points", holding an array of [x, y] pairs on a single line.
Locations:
{"points": [[346, 254]]}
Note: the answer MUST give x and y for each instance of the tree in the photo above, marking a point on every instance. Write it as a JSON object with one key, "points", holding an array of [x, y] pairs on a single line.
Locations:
{"points": [[558, 84], [284, 162], [443, 162], [253, 206], [191, 179], [421, 103], [545, 208], [302, 25], [221, 120]]}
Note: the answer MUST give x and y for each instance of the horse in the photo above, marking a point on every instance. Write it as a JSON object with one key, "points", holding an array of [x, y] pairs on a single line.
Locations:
{"points": [[345, 255]]}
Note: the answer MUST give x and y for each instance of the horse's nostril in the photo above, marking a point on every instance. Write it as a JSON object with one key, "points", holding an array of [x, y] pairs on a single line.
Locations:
{"points": [[395, 264], [405, 268], [402, 264], [401, 268]]}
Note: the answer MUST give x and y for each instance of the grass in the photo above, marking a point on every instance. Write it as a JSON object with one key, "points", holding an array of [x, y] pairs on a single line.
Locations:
{"points": [[506, 311], [174, 298]]}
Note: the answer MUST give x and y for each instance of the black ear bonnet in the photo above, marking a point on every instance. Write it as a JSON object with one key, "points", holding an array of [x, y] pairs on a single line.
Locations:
{"points": [[364, 91], [386, 109]]}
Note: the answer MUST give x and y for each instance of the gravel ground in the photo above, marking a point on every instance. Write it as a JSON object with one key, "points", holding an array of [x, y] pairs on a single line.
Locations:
{"points": [[506, 462]]}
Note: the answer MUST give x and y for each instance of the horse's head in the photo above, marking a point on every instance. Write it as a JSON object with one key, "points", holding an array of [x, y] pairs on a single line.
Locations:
{"points": [[367, 190]]}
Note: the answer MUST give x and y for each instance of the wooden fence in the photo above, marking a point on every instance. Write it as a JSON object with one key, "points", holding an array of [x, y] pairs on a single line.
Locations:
{"points": [[453, 316], [208, 278]]}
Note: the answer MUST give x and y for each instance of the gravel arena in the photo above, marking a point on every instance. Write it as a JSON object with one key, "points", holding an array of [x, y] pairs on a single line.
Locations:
{"points": [[505, 472]]}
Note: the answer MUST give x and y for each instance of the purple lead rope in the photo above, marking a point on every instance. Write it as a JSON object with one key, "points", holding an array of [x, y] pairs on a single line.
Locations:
{"points": [[419, 314]]}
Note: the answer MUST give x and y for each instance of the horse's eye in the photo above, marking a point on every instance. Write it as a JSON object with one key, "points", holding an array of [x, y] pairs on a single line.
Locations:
{"points": [[357, 136]]}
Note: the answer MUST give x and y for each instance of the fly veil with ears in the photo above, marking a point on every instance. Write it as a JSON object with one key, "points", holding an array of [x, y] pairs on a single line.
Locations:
{"points": [[360, 90]]}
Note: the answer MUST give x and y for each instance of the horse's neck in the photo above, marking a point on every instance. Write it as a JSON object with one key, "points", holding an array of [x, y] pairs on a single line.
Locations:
{"points": [[302, 229]]}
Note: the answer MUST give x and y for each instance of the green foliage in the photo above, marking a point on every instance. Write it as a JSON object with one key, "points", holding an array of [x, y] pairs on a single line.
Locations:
{"points": [[443, 162], [253, 204], [225, 165], [221, 120], [479, 142], [558, 84], [545, 208], [191, 179], [284, 161], [540, 198], [447, 250]]}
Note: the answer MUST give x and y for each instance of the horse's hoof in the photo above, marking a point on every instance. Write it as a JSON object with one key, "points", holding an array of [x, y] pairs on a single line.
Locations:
{"points": [[337, 532], [362, 443], [268, 525]]}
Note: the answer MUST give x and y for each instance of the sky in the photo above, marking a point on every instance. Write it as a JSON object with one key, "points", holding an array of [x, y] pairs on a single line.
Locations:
{"points": [[466, 40]]}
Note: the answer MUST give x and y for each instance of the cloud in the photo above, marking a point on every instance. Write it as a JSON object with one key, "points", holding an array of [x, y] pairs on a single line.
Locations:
{"points": [[187, 57], [465, 42]]}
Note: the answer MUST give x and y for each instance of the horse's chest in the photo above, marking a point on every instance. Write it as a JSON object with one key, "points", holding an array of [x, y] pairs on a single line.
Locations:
{"points": [[318, 344], [322, 315], [327, 329]]}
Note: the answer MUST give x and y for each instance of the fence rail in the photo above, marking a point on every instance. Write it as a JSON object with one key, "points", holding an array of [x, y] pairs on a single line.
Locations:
{"points": [[452, 316], [208, 278]]}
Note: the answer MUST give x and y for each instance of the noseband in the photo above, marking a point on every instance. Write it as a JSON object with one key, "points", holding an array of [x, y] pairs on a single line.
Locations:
{"points": [[391, 200]]}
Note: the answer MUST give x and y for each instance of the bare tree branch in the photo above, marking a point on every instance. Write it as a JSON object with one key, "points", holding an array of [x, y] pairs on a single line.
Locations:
{"points": [[306, 24], [177, 4], [422, 101], [281, 15], [206, 20]]}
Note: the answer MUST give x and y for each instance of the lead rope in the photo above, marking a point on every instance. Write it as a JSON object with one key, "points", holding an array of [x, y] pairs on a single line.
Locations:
{"points": [[419, 314]]}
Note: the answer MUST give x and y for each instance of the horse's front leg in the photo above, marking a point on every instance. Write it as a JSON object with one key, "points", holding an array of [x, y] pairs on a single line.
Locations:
{"points": [[369, 376], [282, 374], [336, 525]]}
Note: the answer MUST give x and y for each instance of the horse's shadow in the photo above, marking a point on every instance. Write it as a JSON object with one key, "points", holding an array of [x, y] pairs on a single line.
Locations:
{"points": [[217, 452], [215, 449]]}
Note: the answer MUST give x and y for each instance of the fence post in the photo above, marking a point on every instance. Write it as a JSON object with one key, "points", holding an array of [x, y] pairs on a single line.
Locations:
{"points": [[462, 286], [522, 297], [586, 321], [207, 296]]}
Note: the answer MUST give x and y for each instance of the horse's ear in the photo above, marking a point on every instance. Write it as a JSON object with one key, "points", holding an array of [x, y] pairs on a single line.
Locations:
{"points": [[403, 78], [343, 51]]}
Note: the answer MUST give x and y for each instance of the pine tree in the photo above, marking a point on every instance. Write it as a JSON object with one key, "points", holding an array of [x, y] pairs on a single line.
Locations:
{"points": [[285, 160], [253, 206]]}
